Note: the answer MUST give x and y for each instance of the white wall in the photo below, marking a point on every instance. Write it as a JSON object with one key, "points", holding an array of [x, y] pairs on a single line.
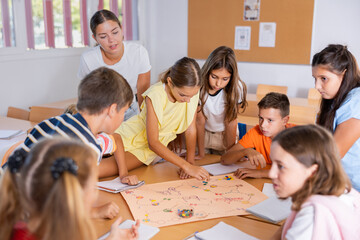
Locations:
{"points": [[334, 22], [36, 78], [32, 79]]}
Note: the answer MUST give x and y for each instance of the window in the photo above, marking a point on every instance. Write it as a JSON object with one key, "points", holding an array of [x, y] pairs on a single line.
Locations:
{"points": [[60, 23], [7, 33]]}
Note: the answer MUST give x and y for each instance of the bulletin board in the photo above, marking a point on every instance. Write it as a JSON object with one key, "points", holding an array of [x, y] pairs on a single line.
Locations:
{"points": [[211, 23]]}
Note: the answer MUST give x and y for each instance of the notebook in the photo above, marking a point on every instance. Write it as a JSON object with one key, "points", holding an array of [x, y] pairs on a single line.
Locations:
{"points": [[8, 134], [145, 231], [219, 169], [116, 186], [221, 231], [272, 209]]}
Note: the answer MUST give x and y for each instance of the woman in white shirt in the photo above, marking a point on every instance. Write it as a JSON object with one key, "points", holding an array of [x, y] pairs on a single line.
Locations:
{"points": [[129, 59]]}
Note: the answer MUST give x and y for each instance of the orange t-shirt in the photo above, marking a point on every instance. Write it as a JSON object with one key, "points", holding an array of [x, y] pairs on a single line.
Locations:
{"points": [[255, 139]]}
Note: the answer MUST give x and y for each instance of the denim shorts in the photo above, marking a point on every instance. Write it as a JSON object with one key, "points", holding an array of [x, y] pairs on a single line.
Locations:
{"points": [[132, 110]]}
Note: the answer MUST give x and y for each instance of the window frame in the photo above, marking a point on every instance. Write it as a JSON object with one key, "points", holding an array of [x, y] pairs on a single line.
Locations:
{"points": [[21, 51]]}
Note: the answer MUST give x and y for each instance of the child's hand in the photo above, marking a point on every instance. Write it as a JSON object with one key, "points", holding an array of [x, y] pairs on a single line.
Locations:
{"points": [[108, 210], [197, 172], [130, 179], [117, 233], [183, 174], [198, 157], [252, 173], [255, 157]]}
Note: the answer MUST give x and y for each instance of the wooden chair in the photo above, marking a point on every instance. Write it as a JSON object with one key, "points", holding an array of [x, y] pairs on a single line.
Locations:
{"points": [[303, 114], [251, 109], [314, 96], [263, 89], [38, 114], [18, 113]]}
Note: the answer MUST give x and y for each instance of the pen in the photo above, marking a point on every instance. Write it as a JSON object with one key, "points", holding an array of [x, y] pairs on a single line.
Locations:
{"points": [[191, 235]]}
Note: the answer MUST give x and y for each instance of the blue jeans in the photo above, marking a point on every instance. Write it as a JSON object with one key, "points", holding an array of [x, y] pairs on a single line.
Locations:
{"points": [[132, 110]]}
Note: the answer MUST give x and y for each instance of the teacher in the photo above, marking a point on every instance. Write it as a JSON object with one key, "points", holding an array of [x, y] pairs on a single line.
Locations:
{"points": [[129, 59]]}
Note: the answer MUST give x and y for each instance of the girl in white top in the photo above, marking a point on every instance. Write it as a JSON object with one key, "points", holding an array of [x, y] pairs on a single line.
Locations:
{"points": [[306, 167], [129, 59], [221, 95]]}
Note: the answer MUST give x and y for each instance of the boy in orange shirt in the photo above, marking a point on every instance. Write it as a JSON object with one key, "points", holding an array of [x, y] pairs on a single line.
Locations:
{"points": [[254, 147]]}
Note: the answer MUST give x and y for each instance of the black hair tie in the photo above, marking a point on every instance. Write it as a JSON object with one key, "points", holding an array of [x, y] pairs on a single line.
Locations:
{"points": [[61, 165], [16, 160]]}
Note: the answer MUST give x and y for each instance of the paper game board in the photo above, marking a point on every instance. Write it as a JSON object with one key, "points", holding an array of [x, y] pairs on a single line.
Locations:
{"points": [[182, 201]]}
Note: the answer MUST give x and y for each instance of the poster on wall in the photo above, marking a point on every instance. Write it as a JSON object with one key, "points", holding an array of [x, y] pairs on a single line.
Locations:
{"points": [[242, 38], [267, 34], [251, 10]]}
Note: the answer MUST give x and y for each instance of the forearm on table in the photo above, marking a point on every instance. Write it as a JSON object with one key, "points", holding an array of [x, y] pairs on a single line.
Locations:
{"points": [[200, 131], [190, 146], [233, 156], [120, 156], [230, 133]]}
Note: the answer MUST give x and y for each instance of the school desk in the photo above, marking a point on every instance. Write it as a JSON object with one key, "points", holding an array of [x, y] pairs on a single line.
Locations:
{"points": [[168, 172], [7, 123]]}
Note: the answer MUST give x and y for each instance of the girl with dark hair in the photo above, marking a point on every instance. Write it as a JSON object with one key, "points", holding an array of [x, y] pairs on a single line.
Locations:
{"points": [[337, 78], [221, 95], [129, 59]]}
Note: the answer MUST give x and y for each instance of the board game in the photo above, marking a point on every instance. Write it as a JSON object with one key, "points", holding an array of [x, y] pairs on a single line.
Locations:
{"points": [[182, 201]]}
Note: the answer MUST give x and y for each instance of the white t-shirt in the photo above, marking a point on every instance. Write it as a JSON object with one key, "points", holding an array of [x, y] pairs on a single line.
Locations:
{"points": [[135, 61], [303, 224], [214, 110]]}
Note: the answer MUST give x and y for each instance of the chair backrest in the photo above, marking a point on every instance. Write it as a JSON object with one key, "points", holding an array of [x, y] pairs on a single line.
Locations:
{"points": [[263, 89], [38, 114], [314, 94], [18, 113], [251, 109], [303, 114]]}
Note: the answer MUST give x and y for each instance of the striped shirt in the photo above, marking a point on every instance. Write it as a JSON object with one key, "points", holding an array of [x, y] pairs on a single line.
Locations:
{"points": [[67, 126], [107, 143]]}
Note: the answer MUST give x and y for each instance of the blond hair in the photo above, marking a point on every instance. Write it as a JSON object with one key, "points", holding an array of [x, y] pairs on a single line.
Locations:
{"points": [[57, 204], [10, 208]]}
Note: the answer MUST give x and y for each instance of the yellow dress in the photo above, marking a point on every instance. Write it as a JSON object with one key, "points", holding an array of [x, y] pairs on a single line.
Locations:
{"points": [[173, 118]]}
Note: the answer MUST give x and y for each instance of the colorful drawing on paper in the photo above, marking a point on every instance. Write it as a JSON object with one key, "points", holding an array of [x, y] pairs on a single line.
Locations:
{"points": [[182, 201]]}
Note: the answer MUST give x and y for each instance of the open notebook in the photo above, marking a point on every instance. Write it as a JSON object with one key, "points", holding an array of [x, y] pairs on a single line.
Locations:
{"points": [[116, 186], [8, 134], [272, 209], [222, 231], [220, 169], [145, 231]]}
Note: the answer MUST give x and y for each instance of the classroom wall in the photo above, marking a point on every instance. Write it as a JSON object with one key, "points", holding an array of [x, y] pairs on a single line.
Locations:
{"points": [[31, 79], [334, 22], [42, 77]]}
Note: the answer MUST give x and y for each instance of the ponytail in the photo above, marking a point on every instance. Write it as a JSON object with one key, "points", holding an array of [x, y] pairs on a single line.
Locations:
{"points": [[184, 73], [65, 201], [53, 180], [10, 207]]}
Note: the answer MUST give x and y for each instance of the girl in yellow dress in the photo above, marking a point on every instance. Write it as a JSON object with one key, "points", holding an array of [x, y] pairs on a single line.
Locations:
{"points": [[168, 109]]}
